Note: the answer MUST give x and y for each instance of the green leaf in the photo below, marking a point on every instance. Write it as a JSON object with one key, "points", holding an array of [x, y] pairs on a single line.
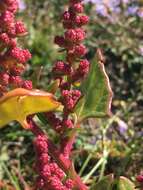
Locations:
{"points": [[19, 103], [124, 183], [97, 92], [105, 183]]}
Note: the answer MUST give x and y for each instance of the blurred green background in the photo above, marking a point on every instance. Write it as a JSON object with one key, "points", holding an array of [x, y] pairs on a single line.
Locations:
{"points": [[116, 27]]}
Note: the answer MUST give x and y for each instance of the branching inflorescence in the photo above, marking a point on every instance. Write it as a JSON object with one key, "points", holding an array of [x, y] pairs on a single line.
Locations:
{"points": [[68, 73], [12, 57], [53, 165], [73, 70]]}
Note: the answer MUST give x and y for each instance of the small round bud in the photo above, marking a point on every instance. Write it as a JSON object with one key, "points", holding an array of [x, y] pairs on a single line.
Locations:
{"points": [[6, 19], [71, 35], [69, 183], [80, 34], [4, 79], [20, 28], [45, 172], [54, 168], [68, 124], [20, 55], [66, 15], [80, 50], [59, 40], [4, 38], [62, 68], [84, 19], [15, 81], [27, 84], [41, 145], [75, 35], [77, 7], [81, 20], [44, 158]]}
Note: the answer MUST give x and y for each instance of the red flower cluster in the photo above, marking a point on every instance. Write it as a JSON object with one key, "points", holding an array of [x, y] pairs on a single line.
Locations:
{"points": [[12, 58], [10, 5], [68, 72], [13, 63], [61, 68], [50, 177], [57, 124], [74, 69], [81, 71], [70, 98]]}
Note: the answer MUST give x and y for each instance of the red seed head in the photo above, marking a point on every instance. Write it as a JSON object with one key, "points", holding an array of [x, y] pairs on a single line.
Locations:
{"points": [[44, 158], [66, 15], [75, 35], [80, 34], [13, 43], [6, 19], [59, 40], [62, 68], [55, 170], [11, 5], [76, 94], [20, 55], [69, 183], [77, 7], [84, 19], [40, 145], [20, 28], [15, 81], [45, 172], [80, 50], [27, 84], [68, 123], [71, 35], [4, 38], [84, 64], [55, 183], [4, 78], [26, 54], [81, 20]]}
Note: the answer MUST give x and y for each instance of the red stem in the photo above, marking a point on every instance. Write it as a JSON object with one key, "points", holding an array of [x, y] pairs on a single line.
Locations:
{"points": [[69, 141]]}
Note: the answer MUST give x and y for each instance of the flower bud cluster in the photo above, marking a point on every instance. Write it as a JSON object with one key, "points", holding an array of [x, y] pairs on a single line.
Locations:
{"points": [[73, 70], [68, 72], [61, 68], [70, 98], [12, 58], [10, 5], [59, 125], [76, 67], [50, 177]]}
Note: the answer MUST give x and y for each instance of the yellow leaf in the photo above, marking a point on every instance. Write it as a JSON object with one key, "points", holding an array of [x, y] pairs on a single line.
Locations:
{"points": [[17, 104]]}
